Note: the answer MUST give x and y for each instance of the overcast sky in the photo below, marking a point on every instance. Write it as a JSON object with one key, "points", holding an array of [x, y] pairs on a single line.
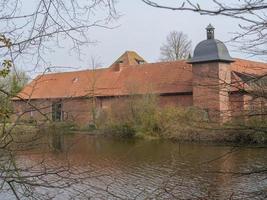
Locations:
{"points": [[143, 29]]}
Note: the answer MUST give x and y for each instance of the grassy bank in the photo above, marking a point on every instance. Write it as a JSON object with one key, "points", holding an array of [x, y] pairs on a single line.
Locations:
{"points": [[171, 123], [188, 131]]}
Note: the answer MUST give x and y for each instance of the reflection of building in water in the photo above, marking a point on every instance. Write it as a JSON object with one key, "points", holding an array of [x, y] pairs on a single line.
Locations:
{"points": [[57, 142], [211, 80], [223, 172], [153, 166]]}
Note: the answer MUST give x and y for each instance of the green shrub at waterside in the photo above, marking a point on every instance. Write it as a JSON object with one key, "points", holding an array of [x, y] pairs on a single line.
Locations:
{"points": [[179, 120], [123, 130], [140, 116], [250, 128]]}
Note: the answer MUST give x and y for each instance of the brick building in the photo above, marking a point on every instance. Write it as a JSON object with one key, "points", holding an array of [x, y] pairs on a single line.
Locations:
{"points": [[212, 80]]}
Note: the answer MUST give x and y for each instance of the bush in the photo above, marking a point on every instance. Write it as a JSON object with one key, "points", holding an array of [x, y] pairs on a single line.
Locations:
{"points": [[123, 130], [140, 116], [137, 116], [250, 130]]}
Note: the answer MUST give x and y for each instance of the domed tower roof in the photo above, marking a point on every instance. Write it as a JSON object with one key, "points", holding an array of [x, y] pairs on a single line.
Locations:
{"points": [[211, 50]]}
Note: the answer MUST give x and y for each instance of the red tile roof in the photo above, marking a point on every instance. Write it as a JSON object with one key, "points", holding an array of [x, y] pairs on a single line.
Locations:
{"points": [[146, 78], [242, 69], [158, 78], [249, 67]]}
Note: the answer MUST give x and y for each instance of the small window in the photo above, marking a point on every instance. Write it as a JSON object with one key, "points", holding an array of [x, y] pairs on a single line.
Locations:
{"points": [[75, 80], [140, 62], [57, 111]]}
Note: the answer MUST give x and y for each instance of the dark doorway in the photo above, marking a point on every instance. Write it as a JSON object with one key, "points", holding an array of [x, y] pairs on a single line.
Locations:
{"points": [[57, 111]]}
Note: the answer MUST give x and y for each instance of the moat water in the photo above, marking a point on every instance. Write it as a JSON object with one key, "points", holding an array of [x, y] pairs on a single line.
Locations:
{"points": [[108, 168]]}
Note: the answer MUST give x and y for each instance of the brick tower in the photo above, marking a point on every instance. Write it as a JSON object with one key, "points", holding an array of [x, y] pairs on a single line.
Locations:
{"points": [[211, 77]]}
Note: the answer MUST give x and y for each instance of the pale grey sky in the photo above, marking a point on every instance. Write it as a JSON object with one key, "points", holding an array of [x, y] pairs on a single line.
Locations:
{"points": [[143, 29]]}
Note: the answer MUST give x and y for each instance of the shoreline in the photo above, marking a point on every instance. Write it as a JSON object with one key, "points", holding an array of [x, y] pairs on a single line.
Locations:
{"points": [[213, 137]]}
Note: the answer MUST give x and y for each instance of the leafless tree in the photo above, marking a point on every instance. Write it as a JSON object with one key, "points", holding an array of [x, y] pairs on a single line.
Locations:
{"points": [[177, 47], [35, 30], [28, 31], [92, 93]]}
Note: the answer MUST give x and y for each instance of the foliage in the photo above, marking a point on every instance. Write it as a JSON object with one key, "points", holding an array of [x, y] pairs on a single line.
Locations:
{"points": [[250, 129], [123, 130], [17, 81], [140, 116], [177, 120], [11, 84], [7, 63]]}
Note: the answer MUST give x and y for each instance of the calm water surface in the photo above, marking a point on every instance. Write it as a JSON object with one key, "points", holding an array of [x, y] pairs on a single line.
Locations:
{"points": [[138, 169]]}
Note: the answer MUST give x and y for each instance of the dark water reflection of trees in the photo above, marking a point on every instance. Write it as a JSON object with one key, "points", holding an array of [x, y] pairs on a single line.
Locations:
{"points": [[107, 168]]}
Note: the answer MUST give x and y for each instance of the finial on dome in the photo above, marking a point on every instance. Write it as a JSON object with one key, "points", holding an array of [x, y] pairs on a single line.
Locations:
{"points": [[210, 32]]}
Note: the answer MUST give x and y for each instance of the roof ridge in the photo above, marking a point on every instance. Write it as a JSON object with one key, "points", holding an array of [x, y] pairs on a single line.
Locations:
{"points": [[156, 63], [77, 71]]}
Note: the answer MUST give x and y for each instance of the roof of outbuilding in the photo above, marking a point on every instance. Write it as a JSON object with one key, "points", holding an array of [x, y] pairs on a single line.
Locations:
{"points": [[249, 67], [168, 77], [243, 71], [157, 78], [244, 77]]}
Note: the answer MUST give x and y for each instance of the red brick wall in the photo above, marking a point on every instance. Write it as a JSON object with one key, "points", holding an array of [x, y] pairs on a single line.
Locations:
{"points": [[34, 109], [255, 106], [166, 100], [176, 100], [244, 106], [78, 110], [236, 105]]}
